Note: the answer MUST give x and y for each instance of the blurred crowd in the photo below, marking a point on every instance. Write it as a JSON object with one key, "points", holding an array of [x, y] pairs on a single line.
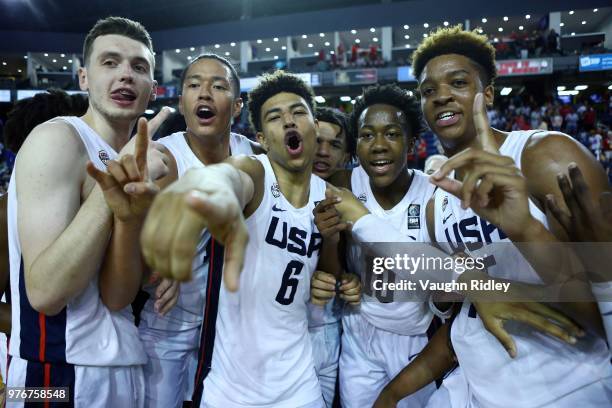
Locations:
{"points": [[588, 122]]}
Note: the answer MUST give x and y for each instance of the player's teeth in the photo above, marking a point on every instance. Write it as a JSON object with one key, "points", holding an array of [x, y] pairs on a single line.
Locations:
{"points": [[446, 115]]}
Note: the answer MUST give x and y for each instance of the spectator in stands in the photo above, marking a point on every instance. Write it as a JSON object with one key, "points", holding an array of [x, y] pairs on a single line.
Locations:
{"points": [[595, 142], [571, 123], [552, 42], [589, 118], [535, 118], [557, 121]]}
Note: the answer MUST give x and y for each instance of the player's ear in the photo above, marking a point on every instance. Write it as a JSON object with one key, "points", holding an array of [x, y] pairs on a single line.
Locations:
{"points": [[180, 105], [238, 104], [489, 94], [153, 91], [261, 139], [82, 74]]}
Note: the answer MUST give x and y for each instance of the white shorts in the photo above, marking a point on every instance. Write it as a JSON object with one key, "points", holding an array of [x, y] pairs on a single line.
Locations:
{"points": [[316, 404], [170, 371], [453, 393], [371, 358], [326, 352], [89, 386]]}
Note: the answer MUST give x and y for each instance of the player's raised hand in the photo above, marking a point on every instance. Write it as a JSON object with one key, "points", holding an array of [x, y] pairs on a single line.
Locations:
{"points": [[327, 218], [587, 220], [126, 184], [537, 315], [492, 184], [156, 152], [174, 224], [322, 288]]}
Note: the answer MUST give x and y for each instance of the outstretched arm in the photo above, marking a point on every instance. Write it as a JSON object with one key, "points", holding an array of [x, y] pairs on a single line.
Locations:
{"points": [[212, 197]]}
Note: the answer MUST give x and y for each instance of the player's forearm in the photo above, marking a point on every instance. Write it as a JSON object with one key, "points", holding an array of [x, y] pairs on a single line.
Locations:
{"points": [[122, 271], [5, 318], [329, 260], [65, 268], [432, 363]]}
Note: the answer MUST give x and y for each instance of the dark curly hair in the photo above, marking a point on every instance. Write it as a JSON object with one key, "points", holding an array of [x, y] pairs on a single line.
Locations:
{"points": [[31, 112], [273, 84], [335, 117], [455, 40], [222, 60], [389, 94]]}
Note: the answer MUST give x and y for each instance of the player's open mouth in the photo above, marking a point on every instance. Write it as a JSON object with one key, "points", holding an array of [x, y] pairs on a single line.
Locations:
{"points": [[321, 166], [381, 166], [293, 142], [123, 96], [447, 118], [205, 114]]}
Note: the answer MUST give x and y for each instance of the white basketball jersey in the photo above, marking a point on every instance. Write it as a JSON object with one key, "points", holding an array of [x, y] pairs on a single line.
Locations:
{"points": [[546, 371], [85, 332], [381, 308], [263, 354], [188, 311]]}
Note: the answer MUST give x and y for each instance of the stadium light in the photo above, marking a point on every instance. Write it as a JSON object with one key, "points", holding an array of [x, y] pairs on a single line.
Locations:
{"points": [[505, 91], [319, 99], [345, 98], [580, 87], [561, 88]]}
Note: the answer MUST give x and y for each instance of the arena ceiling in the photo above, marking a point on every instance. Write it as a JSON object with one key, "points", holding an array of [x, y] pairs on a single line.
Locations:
{"points": [[79, 16]]}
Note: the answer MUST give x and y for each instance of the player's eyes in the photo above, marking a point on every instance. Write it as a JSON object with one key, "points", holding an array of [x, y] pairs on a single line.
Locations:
{"points": [[427, 91]]}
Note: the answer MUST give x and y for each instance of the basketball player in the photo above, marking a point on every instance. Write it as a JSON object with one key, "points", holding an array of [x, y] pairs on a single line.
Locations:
{"points": [[334, 150], [456, 70], [209, 101], [262, 354], [62, 332], [25, 116], [380, 338]]}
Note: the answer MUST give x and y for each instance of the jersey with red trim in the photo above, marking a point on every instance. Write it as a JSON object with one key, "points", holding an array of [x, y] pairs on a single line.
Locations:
{"points": [[85, 331]]}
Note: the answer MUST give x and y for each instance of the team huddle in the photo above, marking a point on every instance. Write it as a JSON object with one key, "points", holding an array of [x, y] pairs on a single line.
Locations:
{"points": [[252, 253]]}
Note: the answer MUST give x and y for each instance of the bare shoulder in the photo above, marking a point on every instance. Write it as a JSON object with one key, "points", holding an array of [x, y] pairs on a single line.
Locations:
{"points": [[550, 153], [52, 146]]}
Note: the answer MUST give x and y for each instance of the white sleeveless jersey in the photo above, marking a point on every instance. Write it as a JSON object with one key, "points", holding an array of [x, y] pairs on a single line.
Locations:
{"points": [[85, 332], [385, 311], [188, 311], [263, 354], [546, 371]]}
